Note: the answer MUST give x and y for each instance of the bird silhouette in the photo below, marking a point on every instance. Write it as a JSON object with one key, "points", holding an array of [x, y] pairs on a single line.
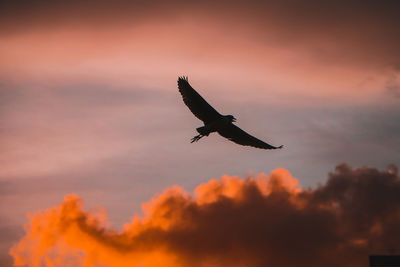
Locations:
{"points": [[214, 121]]}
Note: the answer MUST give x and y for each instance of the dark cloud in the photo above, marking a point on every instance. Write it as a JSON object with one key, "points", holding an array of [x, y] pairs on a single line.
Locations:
{"points": [[358, 135], [9, 234], [28, 15], [366, 32], [254, 222], [393, 85], [394, 89]]}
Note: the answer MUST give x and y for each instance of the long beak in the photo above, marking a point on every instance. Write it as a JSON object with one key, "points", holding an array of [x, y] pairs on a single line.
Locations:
{"points": [[234, 119]]}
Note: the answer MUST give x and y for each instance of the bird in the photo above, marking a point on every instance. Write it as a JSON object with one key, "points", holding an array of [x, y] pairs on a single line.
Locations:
{"points": [[214, 121]]}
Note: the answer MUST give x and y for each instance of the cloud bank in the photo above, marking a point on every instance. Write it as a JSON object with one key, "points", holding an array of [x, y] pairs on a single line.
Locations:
{"points": [[266, 220], [365, 32], [342, 50]]}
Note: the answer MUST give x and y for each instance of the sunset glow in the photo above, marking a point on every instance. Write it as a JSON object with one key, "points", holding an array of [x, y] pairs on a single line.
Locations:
{"points": [[230, 221], [90, 113]]}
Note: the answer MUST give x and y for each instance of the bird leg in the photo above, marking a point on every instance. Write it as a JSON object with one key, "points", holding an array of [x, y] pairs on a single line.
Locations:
{"points": [[196, 138]]}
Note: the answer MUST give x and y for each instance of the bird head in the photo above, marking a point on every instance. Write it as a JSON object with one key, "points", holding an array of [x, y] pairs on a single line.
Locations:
{"points": [[231, 118]]}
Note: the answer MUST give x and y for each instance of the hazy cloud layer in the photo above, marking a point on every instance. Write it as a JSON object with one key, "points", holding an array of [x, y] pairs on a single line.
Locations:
{"points": [[341, 31], [265, 220]]}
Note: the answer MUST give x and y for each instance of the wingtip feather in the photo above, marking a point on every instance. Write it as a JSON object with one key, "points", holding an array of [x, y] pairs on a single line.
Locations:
{"points": [[184, 78]]}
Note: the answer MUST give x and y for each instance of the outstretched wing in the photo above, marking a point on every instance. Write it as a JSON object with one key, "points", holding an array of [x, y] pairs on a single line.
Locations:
{"points": [[197, 105], [237, 135]]}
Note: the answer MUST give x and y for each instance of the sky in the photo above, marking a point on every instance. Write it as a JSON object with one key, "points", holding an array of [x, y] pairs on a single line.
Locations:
{"points": [[96, 145]]}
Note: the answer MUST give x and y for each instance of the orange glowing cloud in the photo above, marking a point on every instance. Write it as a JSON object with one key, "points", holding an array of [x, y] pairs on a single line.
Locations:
{"points": [[258, 221]]}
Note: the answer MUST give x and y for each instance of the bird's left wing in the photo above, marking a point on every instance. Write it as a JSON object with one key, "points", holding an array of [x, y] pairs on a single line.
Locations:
{"points": [[197, 105], [237, 135]]}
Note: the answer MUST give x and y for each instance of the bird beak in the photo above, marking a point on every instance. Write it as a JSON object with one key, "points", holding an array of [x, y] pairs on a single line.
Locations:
{"points": [[234, 119]]}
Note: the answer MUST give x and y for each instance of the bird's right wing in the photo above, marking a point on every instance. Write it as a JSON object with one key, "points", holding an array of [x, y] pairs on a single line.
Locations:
{"points": [[197, 105], [237, 135]]}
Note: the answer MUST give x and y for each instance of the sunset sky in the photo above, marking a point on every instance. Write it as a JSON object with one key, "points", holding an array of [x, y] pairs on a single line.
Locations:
{"points": [[92, 123]]}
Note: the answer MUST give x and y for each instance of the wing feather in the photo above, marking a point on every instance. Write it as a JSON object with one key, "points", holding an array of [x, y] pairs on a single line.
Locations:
{"points": [[237, 135], [197, 105]]}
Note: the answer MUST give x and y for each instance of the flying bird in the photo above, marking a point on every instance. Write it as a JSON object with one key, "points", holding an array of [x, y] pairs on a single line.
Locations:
{"points": [[214, 121]]}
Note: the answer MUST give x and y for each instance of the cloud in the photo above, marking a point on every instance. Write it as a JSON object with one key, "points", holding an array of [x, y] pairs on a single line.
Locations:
{"points": [[283, 51], [341, 31], [393, 85], [257, 221], [54, 112], [9, 233]]}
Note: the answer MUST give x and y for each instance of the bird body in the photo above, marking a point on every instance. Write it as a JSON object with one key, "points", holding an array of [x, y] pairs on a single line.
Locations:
{"points": [[215, 125], [214, 121]]}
